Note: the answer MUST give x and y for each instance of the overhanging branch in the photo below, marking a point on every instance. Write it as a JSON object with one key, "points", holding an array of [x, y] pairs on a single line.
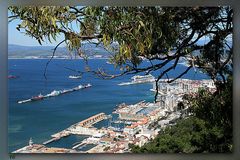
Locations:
{"points": [[53, 54]]}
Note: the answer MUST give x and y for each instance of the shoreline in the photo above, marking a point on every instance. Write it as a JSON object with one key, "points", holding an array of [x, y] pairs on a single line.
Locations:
{"points": [[54, 58]]}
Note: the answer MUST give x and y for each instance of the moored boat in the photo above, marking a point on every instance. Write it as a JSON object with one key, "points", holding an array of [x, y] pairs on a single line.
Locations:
{"points": [[88, 85], [75, 77], [12, 77]]}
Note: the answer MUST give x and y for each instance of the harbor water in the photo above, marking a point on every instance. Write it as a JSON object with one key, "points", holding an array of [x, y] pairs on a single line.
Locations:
{"points": [[40, 119]]}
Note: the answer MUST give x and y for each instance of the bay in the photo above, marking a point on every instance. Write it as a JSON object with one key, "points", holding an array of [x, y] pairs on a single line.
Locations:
{"points": [[41, 119]]}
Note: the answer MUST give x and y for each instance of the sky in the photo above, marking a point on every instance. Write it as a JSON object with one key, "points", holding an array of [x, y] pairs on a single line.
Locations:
{"points": [[18, 38]]}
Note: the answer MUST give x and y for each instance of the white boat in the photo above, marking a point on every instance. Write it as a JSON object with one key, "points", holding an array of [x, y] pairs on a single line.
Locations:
{"points": [[88, 85], [107, 62], [78, 87], [53, 93], [139, 79], [75, 77]]}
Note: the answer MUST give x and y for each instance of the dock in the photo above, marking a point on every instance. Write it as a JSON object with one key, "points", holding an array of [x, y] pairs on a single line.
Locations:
{"points": [[92, 120], [50, 141], [79, 145], [81, 128]]}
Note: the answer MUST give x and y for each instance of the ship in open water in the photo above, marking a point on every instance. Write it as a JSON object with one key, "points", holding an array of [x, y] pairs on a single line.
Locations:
{"points": [[55, 93]]}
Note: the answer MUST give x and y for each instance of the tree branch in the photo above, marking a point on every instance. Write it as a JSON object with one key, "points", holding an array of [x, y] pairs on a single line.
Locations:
{"points": [[53, 54], [179, 76]]}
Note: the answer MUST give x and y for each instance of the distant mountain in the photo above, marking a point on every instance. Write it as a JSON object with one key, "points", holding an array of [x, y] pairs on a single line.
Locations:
{"points": [[93, 51], [18, 51]]}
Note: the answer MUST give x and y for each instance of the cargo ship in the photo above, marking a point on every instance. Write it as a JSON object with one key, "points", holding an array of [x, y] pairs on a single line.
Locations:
{"points": [[55, 93], [36, 98]]}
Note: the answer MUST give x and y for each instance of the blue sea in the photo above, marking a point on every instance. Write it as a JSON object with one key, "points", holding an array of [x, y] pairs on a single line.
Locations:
{"points": [[39, 120]]}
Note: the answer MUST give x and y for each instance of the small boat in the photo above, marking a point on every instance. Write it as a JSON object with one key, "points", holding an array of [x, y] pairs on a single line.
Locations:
{"points": [[36, 98], [75, 77], [12, 77], [88, 85], [108, 62]]}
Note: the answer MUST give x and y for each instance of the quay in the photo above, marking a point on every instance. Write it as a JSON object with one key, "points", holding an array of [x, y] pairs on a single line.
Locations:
{"points": [[51, 140], [78, 145], [92, 120], [81, 128], [144, 121]]}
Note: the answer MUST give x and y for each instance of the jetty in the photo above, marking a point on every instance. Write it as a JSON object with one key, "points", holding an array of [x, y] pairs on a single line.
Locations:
{"points": [[79, 145], [51, 140], [81, 128], [92, 120]]}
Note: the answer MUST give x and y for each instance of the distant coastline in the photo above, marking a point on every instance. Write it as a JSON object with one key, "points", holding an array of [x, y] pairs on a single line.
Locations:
{"points": [[45, 52], [54, 58]]}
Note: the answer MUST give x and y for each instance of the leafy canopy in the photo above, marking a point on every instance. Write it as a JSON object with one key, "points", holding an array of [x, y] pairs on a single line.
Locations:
{"points": [[160, 34]]}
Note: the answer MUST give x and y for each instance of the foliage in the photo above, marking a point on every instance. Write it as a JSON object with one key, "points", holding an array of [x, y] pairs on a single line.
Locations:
{"points": [[161, 35], [209, 129]]}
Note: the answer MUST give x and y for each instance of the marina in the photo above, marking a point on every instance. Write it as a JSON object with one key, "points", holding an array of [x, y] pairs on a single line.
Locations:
{"points": [[162, 79], [134, 124], [55, 93], [81, 128]]}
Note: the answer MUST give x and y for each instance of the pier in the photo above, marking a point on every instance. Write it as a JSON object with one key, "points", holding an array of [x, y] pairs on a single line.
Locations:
{"points": [[92, 120], [79, 145], [51, 140], [80, 128]]}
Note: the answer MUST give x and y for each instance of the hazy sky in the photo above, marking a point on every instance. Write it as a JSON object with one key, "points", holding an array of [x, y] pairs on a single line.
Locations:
{"points": [[16, 37]]}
